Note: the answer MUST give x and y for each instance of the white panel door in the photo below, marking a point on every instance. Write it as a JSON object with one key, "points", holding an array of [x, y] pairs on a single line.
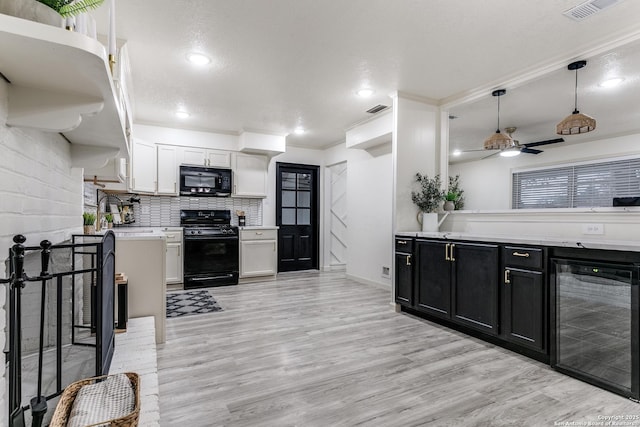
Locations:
{"points": [[338, 209]]}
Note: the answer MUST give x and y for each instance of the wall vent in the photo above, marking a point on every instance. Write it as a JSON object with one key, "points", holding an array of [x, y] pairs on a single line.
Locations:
{"points": [[377, 108], [589, 8]]}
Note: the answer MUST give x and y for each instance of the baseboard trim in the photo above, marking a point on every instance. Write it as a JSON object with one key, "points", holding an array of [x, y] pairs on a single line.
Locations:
{"points": [[364, 281], [339, 267]]}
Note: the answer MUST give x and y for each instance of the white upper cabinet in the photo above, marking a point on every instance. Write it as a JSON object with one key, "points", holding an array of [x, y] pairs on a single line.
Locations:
{"points": [[143, 167], [217, 158], [204, 157], [249, 175], [167, 170], [193, 156]]}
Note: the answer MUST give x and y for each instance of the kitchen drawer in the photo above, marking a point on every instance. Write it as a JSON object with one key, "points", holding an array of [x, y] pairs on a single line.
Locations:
{"points": [[266, 234], [518, 256], [404, 244], [173, 236]]}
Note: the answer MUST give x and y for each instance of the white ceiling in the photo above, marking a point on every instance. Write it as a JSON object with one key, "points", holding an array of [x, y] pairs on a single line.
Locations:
{"points": [[279, 64]]}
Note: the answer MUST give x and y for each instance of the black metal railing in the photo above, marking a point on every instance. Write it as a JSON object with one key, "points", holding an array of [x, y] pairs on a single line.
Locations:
{"points": [[102, 271]]}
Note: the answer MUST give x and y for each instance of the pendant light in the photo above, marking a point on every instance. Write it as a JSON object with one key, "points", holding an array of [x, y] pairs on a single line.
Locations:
{"points": [[577, 122], [498, 141]]}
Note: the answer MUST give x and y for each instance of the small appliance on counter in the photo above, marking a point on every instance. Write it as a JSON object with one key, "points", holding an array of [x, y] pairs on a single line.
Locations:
{"points": [[211, 248], [242, 219]]}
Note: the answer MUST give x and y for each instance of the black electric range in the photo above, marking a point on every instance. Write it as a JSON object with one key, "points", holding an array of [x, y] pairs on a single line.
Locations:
{"points": [[211, 248]]}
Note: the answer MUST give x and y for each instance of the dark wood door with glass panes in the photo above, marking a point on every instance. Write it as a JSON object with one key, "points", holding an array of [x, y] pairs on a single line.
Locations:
{"points": [[297, 216]]}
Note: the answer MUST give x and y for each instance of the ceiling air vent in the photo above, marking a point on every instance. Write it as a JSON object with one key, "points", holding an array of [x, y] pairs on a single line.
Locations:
{"points": [[377, 108], [588, 8]]}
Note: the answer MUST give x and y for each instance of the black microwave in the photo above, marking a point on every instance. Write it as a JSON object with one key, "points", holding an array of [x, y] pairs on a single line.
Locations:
{"points": [[200, 181]]}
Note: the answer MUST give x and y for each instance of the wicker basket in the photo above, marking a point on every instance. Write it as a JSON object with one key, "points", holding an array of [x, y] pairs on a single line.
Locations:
{"points": [[63, 409]]}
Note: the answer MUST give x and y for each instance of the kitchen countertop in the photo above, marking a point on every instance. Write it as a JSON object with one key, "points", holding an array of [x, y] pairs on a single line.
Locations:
{"points": [[136, 233], [259, 227], [567, 242]]}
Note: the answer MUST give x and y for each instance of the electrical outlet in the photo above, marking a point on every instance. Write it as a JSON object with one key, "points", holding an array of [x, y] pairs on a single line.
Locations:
{"points": [[592, 228], [385, 271]]}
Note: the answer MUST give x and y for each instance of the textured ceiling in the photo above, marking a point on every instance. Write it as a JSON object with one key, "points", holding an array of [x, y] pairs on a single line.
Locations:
{"points": [[279, 64]]}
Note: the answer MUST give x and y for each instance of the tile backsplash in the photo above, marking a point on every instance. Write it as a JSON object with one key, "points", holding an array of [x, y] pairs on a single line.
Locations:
{"points": [[157, 211]]}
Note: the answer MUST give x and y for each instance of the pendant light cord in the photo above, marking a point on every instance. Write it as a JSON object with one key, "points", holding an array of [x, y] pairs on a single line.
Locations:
{"points": [[575, 92], [498, 128]]}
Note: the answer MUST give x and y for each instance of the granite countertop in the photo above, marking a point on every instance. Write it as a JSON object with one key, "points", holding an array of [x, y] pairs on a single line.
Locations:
{"points": [[259, 227], [136, 233], [568, 242]]}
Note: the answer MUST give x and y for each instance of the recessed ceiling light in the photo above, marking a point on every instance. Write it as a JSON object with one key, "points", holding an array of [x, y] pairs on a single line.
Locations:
{"points": [[299, 131], [456, 152], [512, 152], [198, 58], [365, 92], [182, 114], [611, 82]]}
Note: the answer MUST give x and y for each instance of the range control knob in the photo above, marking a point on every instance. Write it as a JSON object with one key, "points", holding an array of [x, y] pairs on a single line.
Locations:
{"points": [[199, 231]]}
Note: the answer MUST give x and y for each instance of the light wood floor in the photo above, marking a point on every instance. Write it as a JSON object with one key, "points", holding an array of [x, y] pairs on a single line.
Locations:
{"points": [[317, 349]]}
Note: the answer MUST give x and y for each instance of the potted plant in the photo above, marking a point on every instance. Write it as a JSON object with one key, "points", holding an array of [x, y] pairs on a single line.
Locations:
{"points": [[67, 8], [454, 187], [109, 218], [450, 200], [428, 199], [89, 220]]}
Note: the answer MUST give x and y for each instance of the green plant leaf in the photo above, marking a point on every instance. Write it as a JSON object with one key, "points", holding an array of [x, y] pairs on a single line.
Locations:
{"points": [[79, 6]]}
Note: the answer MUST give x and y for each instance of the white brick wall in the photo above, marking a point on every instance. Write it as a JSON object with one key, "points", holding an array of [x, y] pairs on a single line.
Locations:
{"points": [[40, 197]]}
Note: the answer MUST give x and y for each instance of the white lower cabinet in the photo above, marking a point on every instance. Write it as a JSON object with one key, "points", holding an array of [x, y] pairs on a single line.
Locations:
{"points": [[174, 256], [258, 252]]}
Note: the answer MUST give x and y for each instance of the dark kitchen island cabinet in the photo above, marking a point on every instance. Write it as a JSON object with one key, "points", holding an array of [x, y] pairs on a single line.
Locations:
{"points": [[459, 282], [524, 297], [404, 271]]}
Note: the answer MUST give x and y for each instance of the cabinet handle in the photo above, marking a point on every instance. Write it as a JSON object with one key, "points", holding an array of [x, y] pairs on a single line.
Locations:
{"points": [[170, 236], [446, 252], [453, 245], [408, 259], [258, 233], [506, 277], [179, 246], [274, 246], [524, 255], [174, 188], [402, 242], [133, 185]]}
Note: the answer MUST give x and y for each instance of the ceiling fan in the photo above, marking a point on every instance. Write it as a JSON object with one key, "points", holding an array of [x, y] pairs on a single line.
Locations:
{"points": [[518, 148]]}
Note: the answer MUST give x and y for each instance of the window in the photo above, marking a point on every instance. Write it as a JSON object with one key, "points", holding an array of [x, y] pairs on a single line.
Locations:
{"points": [[578, 186]]}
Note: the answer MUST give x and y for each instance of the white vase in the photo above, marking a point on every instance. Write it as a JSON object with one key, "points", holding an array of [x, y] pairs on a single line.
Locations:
{"points": [[449, 205], [430, 222]]}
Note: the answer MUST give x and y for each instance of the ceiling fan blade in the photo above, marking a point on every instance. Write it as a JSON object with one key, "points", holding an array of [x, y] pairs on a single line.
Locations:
{"points": [[473, 151], [491, 155], [548, 141], [530, 150]]}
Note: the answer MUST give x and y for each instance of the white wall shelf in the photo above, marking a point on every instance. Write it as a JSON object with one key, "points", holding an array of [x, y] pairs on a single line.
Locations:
{"points": [[60, 82]]}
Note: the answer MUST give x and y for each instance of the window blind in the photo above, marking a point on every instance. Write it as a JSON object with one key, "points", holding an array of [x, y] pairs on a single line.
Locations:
{"points": [[579, 186]]}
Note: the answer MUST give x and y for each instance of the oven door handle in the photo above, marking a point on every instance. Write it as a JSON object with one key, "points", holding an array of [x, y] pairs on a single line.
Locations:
{"points": [[201, 279]]}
